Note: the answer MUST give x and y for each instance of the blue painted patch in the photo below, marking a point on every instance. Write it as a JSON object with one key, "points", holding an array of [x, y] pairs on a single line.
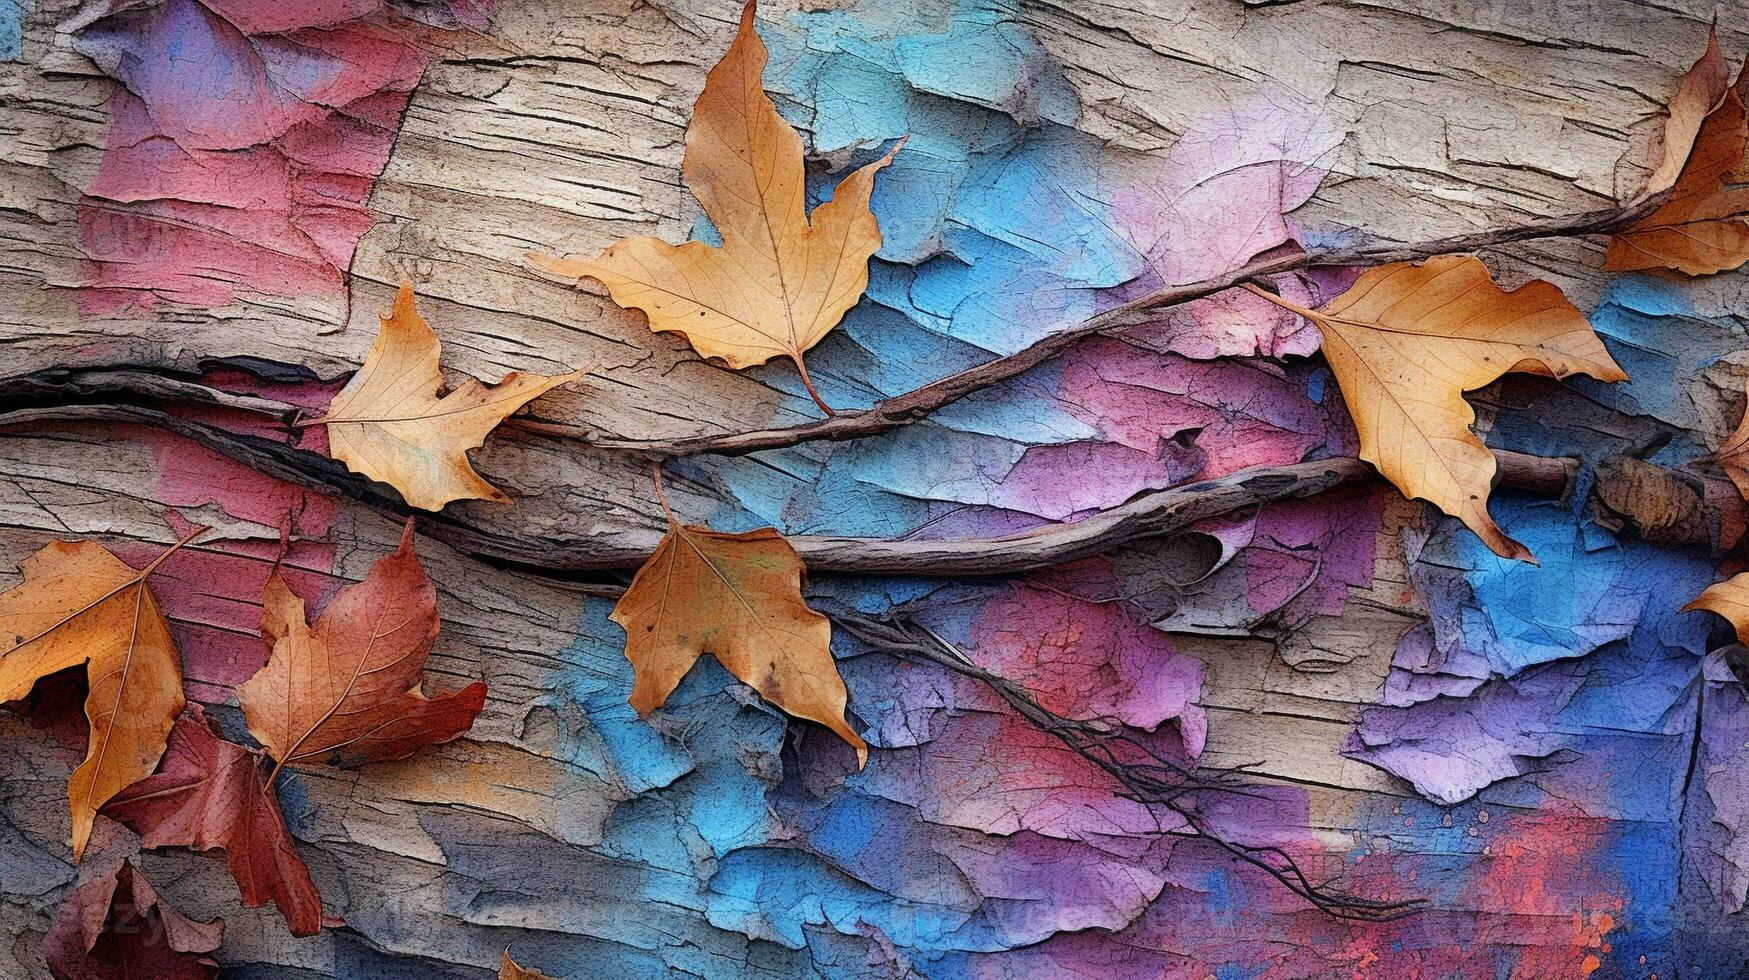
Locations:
{"points": [[616, 744], [11, 29], [776, 893], [1589, 589], [1650, 328]]}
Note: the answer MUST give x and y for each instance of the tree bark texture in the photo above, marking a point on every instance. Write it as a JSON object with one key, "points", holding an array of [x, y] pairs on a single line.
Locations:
{"points": [[204, 208]]}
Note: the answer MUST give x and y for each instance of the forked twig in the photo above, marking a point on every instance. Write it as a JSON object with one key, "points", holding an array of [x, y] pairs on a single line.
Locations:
{"points": [[1146, 777]]}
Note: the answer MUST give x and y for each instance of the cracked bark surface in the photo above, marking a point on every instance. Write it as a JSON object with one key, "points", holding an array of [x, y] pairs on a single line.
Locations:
{"points": [[559, 129]]}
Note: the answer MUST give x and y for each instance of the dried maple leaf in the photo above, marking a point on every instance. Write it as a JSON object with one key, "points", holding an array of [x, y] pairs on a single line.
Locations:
{"points": [[209, 793], [1729, 599], [782, 279], [1703, 227], [116, 926], [389, 424], [81, 605], [349, 687], [1406, 341], [509, 970], [738, 596]]}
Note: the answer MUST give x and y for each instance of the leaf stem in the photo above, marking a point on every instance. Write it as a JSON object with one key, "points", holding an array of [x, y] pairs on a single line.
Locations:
{"points": [[197, 531], [272, 776], [1285, 304], [662, 492], [808, 383]]}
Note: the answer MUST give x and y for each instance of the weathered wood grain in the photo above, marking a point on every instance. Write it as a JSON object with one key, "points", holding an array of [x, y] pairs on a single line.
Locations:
{"points": [[560, 129]]}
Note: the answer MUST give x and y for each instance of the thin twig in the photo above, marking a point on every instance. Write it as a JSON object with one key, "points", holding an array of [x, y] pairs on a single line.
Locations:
{"points": [[1145, 776], [73, 397]]}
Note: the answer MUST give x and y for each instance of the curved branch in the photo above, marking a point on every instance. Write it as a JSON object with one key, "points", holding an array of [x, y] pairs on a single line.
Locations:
{"points": [[1148, 515], [902, 410]]}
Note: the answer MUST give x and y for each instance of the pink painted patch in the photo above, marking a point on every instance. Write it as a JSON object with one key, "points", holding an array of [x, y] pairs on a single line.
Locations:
{"points": [[1245, 413], [1235, 323], [1533, 908], [191, 475], [212, 592], [244, 140], [998, 773], [1089, 660], [1225, 188], [958, 754], [1221, 198], [1059, 482], [1311, 552]]}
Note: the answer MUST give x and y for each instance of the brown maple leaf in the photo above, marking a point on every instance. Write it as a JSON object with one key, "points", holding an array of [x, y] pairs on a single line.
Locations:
{"points": [[349, 688], [79, 605], [208, 793], [782, 278], [1703, 226], [1406, 341], [390, 424], [115, 925], [738, 596]]}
